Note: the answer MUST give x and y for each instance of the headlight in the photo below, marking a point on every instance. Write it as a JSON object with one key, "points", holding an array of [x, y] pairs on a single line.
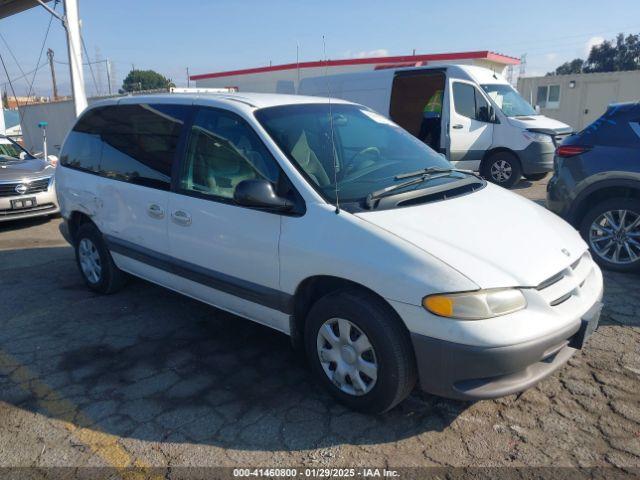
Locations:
{"points": [[475, 305], [538, 137]]}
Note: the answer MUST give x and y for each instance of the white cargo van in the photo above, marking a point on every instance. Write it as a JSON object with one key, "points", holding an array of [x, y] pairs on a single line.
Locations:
{"points": [[470, 114]]}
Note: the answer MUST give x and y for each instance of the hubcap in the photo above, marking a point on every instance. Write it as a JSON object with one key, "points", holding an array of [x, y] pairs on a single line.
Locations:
{"points": [[89, 260], [501, 171], [347, 356], [615, 236]]}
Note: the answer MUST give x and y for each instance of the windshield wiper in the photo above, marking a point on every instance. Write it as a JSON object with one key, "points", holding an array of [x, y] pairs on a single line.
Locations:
{"points": [[424, 171], [421, 176]]}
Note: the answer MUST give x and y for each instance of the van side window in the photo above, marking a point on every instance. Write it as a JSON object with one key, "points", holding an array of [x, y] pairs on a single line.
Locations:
{"points": [[222, 151], [83, 147], [469, 102], [140, 142]]}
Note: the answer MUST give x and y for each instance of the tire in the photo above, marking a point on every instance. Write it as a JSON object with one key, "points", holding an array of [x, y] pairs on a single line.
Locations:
{"points": [[107, 278], [603, 255], [534, 177], [502, 168], [391, 351]]}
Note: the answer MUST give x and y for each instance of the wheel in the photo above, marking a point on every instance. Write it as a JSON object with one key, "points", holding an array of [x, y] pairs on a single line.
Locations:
{"points": [[612, 230], [502, 168], [95, 262], [359, 351], [534, 177]]}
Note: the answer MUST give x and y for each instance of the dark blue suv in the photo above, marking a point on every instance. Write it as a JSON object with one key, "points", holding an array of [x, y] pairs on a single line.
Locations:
{"points": [[596, 186]]}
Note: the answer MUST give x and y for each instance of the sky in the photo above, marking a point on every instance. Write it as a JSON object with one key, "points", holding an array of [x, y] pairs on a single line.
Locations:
{"points": [[210, 36]]}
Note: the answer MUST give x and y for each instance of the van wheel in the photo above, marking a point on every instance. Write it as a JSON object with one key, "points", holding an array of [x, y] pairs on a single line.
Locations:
{"points": [[359, 351], [534, 177], [95, 262], [502, 168], [612, 230]]}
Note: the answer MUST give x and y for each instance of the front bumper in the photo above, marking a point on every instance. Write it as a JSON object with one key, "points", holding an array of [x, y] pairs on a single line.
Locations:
{"points": [[537, 158], [47, 204], [468, 372]]}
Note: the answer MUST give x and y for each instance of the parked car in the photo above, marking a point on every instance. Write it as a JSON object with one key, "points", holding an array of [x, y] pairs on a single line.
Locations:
{"points": [[324, 220], [470, 114], [27, 186], [596, 186]]}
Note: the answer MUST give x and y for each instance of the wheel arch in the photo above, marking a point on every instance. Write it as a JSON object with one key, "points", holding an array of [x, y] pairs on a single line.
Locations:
{"points": [[311, 289], [75, 221], [599, 192], [492, 151]]}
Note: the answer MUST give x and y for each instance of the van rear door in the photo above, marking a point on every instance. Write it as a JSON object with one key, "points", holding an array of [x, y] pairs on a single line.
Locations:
{"points": [[470, 131], [416, 104]]}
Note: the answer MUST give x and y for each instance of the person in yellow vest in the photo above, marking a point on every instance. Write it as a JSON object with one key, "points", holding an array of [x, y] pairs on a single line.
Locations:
{"points": [[432, 120]]}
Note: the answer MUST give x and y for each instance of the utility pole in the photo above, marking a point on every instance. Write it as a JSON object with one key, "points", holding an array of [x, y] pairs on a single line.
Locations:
{"points": [[108, 75], [71, 22], [188, 79], [53, 74]]}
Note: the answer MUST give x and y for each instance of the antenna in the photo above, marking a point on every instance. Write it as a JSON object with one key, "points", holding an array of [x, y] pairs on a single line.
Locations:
{"points": [[333, 144], [298, 64]]}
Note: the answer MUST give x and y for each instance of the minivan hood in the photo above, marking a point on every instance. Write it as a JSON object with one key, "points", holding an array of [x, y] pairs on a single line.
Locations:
{"points": [[26, 169], [540, 122], [494, 237]]}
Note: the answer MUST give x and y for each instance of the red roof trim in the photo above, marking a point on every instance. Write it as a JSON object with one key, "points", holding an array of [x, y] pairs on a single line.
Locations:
{"points": [[496, 57]]}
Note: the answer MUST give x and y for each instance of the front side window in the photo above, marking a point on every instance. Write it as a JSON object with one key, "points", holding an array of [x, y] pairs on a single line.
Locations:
{"points": [[222, 151], [469, 102], [347, 148]]}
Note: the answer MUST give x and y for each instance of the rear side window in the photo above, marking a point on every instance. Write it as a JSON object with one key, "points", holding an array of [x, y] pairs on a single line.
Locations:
{"points": [[135, 143], [83, 147]]}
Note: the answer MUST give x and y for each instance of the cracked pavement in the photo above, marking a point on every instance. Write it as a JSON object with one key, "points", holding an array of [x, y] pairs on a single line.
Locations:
{"points": [[147, 377]]}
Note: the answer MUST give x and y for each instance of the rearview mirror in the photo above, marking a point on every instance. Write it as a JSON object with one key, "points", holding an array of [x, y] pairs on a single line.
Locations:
{"points": [[259, 193], [538, 109], [22, 155]]}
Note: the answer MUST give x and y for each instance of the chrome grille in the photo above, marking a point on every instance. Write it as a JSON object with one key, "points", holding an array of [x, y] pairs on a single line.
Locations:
{"points": [[31, 187], [566, 284]]}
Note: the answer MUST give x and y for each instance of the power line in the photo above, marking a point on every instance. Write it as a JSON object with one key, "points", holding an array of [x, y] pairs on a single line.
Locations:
{"points": [[12, 55], [95, 84]]}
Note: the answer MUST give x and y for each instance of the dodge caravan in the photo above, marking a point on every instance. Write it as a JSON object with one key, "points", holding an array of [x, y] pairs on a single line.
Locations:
{"points": [[326, 221], [470, 114]]}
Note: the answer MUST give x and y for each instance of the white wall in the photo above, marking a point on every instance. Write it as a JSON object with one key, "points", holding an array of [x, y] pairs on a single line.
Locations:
{"points": [[593, 92]]}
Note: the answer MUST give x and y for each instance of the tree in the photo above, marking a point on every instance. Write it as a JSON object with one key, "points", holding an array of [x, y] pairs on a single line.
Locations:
{"points": [[620, 54], [5, 100], [138, 80], [574, 66]]}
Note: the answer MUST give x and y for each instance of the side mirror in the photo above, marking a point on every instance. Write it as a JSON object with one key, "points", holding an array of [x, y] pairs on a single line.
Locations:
{"points": [[22, 155], [537, 109], [492, 114], [52, 159], [259, 193]]}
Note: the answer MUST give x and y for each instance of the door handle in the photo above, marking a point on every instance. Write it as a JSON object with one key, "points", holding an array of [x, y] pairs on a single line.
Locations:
{"points": [[155, 211], [180, 217], [457, 126]]}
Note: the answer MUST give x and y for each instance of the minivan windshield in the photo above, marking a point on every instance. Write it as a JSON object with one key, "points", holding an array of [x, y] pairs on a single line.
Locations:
{"points": [[366, 153], [508, 100]]}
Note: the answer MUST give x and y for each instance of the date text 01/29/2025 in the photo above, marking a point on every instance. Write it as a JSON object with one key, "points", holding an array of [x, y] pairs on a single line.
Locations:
{"points": [[316, 472]]}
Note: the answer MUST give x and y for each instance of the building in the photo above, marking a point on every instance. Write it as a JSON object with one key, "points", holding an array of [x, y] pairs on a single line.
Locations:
{"points": [[15, 102], [579, 99], [285, 78]]}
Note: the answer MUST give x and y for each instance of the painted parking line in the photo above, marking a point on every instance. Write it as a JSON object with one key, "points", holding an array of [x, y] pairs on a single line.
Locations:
{"points": [[102, 444]]}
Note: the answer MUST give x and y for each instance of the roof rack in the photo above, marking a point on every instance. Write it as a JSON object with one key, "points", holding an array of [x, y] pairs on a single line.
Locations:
{"points": [[203, 90]]}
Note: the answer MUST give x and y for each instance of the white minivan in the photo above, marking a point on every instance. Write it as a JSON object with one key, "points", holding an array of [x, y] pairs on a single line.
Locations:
{"points": [[470, 114], [326, 221]]}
